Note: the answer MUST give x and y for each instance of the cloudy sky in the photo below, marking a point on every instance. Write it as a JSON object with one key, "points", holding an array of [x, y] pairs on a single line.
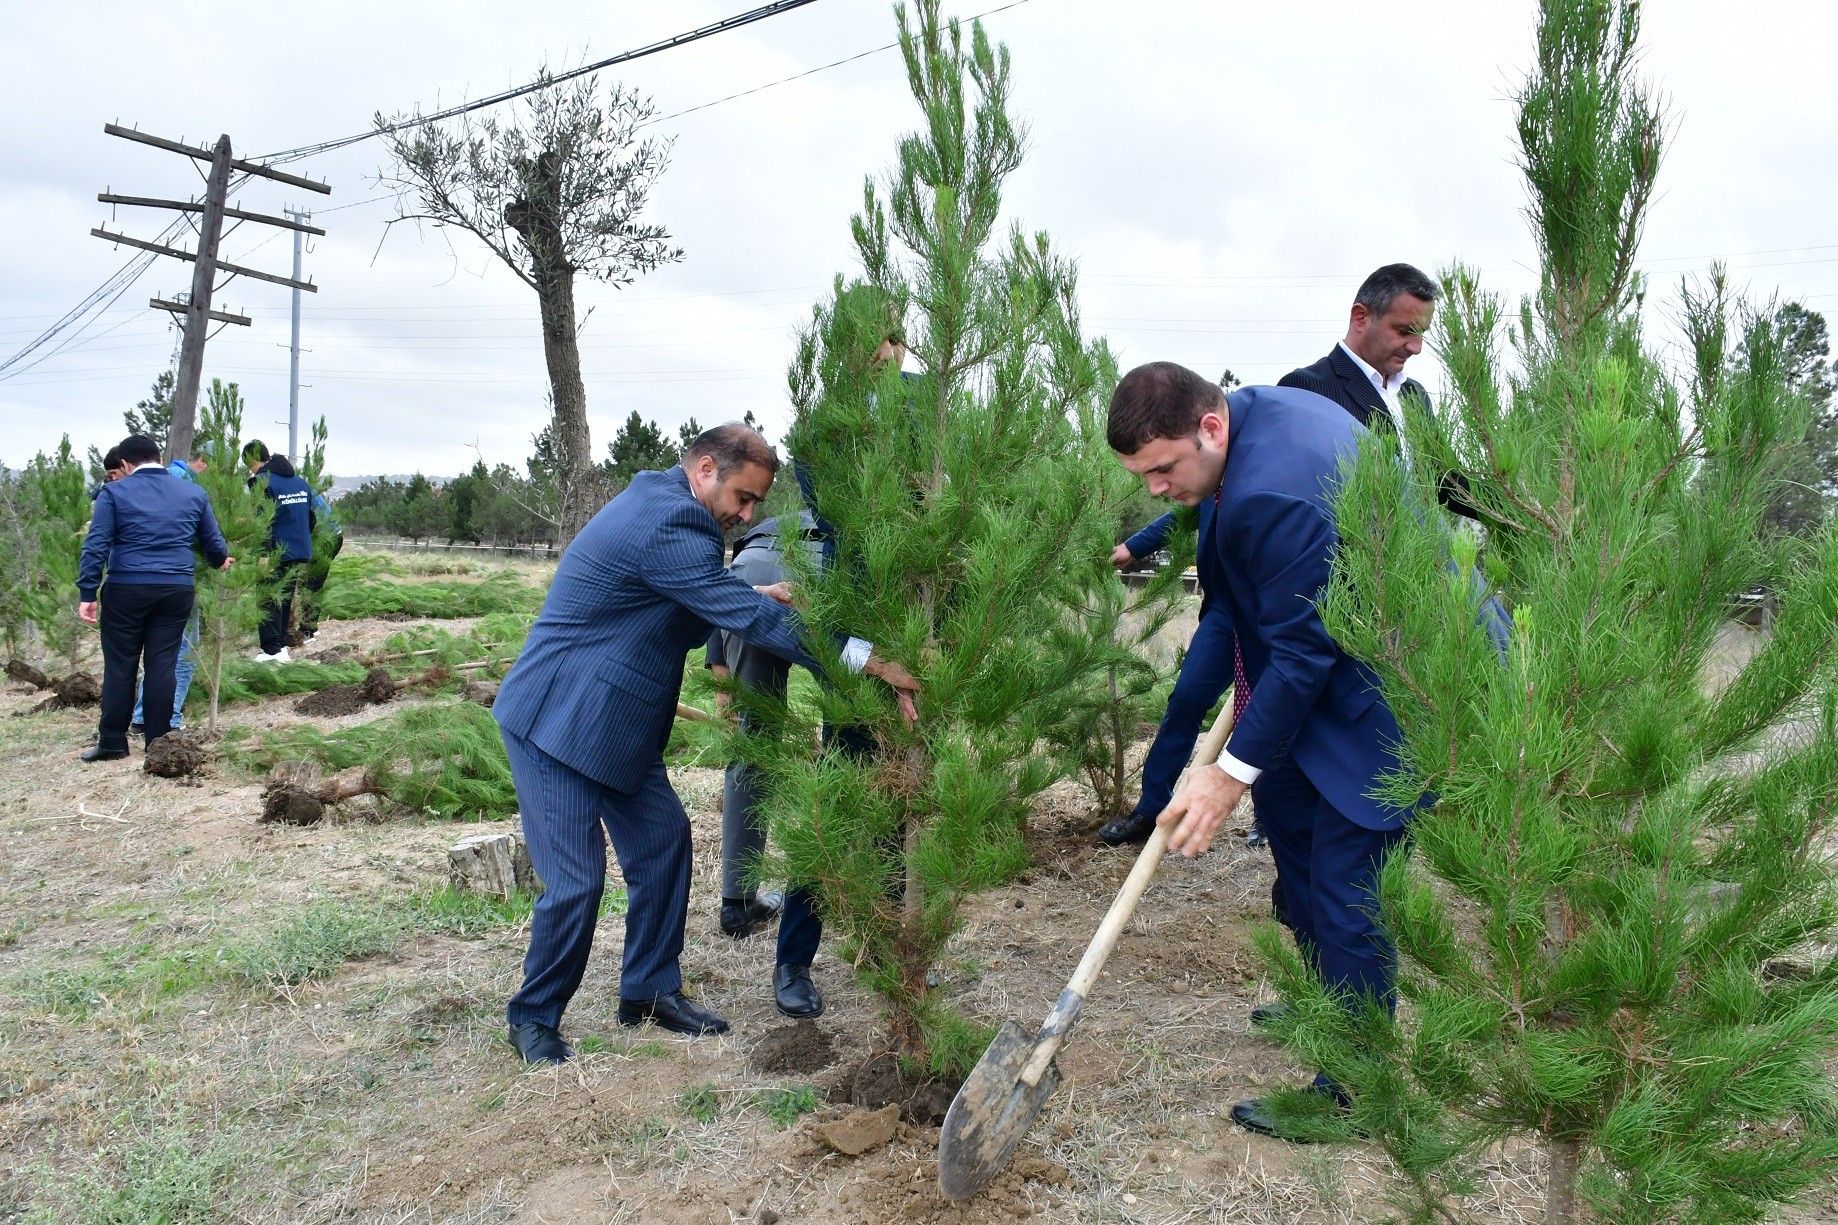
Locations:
{"points": [[1223, 173]]}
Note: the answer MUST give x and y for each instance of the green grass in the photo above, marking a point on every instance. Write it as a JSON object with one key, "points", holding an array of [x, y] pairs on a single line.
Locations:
{"points": [[701, 1103], [159, 1175], [245, 680], [378, 596], [784, 1106], [311, 945]]}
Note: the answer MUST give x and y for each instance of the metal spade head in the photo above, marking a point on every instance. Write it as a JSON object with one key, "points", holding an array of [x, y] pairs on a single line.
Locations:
{"points": [[991, 1112]]}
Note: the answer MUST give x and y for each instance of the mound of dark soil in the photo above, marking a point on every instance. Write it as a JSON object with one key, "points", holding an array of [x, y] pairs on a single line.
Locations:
{"points": [[880, 1082], [285, 804], [332, 701], [792, 1050], [20, 670], [335, 654], [482, 692], [176, 755]]}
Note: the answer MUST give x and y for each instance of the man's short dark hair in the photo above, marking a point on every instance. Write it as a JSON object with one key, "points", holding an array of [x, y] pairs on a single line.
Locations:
{"points": [[255, 449], [1159, 400], [1378, 291], [112, 460], [137, 449], [732, 446]]}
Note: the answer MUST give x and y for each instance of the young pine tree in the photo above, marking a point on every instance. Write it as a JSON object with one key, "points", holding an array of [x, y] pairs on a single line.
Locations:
{"points": [[961, 535], [54, 507], [230, 602], [1590, 918]]}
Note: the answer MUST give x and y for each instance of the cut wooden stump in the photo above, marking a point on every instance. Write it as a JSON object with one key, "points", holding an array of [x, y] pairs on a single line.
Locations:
{"points": [[493, 864]]}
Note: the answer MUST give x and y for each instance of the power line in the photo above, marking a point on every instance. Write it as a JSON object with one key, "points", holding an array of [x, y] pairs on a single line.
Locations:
{"points": [[708, 31]]}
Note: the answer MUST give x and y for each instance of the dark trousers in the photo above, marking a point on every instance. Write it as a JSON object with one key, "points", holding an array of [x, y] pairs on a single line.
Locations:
{"points": [[140, 623], [1327, 868], [280, 606], [567, 818], [317, 572]]}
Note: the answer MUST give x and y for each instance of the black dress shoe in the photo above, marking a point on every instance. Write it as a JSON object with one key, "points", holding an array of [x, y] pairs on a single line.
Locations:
{"points": [[675, 1012], [1270, 1014], [741, 919], [1133, 830], [539, 1043], [1323, 1110], [796, 994], [137, 729], [101, 754]]}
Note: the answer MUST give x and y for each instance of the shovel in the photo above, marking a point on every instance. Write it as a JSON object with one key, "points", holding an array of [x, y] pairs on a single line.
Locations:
{"points": [[1004, 1093]]}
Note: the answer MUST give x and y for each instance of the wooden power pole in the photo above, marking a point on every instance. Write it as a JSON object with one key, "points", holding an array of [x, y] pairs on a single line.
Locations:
{"points": [[205, 265]]}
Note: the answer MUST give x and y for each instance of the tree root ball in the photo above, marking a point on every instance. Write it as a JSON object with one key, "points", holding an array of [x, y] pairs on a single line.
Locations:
{"points": [[22, 671], [880, 1082], [77, 689], [482, 692], [285, 804], [176, 755], [332, 701], [379, 686]]}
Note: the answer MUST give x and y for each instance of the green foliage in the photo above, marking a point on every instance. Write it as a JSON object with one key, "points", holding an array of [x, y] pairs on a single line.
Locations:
{"points": [[47, 509], [701, 1103], [1808, 473], [967, 538], [244, 680], [231, 602], [1619, 852], [367, 597], [641, 446], [153, 415], [444, 759]]}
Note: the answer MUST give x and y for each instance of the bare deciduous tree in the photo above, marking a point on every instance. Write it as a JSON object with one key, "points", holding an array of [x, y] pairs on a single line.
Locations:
{"points": [[553, 187]]}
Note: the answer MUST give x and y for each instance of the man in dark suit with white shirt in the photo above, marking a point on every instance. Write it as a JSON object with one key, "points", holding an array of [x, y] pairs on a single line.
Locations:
{"points": [[586, 712], [1364, 373]]}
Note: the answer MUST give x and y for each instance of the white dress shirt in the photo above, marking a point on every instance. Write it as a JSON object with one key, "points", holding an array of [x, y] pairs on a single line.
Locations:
{"points": [[1390, 391]]}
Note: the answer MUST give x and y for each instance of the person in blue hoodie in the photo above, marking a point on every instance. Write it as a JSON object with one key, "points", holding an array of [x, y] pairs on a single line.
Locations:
{"points": [[142, 537], [291, 533]]}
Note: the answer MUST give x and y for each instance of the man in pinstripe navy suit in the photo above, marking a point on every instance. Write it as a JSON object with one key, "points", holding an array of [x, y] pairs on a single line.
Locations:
{"points": [[586, 713]]}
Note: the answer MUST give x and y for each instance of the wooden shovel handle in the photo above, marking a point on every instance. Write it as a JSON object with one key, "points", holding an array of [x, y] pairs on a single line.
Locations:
{"points": [[1072, 999], [694, 715]]}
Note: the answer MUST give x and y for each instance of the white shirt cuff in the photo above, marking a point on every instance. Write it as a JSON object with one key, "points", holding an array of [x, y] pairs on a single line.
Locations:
{"points": [[1238, 769], [855, 654]]}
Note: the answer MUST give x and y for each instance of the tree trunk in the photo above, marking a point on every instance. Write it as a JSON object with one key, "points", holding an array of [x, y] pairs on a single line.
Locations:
{"points": [[536, 219], [574, 476], [1566, 1162]]}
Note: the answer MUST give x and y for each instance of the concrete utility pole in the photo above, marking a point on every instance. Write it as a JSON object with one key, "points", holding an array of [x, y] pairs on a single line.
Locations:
{"points": [[293, 348], [197, 308]]}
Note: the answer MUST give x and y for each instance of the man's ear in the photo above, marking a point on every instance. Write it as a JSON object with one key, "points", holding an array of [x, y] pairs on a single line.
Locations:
{"points": [[1212, 429]]}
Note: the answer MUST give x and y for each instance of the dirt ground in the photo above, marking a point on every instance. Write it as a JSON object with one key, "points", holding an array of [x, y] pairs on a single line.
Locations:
{"points": [[163, 1057]]}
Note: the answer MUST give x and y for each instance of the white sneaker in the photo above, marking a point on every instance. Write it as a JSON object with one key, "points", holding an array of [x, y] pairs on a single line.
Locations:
{"points": [[279, 657]]}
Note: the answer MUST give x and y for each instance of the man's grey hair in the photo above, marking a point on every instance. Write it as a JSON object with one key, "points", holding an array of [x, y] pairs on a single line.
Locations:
{"points": [[732, 446], [1378, 291]]}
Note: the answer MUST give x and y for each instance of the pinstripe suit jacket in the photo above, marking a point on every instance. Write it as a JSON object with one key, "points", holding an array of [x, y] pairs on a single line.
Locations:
{"points": [[596, 685]]}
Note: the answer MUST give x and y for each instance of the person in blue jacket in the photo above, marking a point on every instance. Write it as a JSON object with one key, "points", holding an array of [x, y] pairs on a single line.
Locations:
{"points": [[1317, 735], [135, 583], [329, 541], [291, 533], [587, 709], [187, 470]]}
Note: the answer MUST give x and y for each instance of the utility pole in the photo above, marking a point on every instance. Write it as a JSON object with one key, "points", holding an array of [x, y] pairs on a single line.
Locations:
{"points": [[293, 348], [196, 309]]}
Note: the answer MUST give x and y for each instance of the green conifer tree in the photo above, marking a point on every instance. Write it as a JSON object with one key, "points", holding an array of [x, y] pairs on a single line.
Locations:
{"points": [[1620, 850], [964, 541], [55, 508], [230, 602]]}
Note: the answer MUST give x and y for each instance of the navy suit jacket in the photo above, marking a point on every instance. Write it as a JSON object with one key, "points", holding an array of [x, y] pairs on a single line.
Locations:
{"points": [[1205, 564], [596, 684], [1274, 538]]}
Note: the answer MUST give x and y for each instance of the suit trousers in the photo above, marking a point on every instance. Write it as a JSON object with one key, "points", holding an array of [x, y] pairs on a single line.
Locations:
{"points": [[567, 819], [1327, 868], [182, 673], [140, 622], [743, 834]]}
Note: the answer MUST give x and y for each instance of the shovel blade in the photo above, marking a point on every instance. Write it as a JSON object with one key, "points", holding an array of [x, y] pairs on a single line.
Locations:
{"points": [[991, 1112]]}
